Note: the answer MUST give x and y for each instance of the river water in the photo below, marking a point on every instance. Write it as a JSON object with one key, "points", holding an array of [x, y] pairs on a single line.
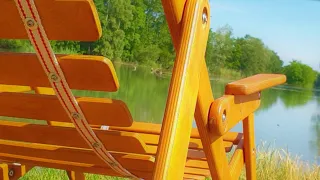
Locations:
{"points": [[287, 118]]}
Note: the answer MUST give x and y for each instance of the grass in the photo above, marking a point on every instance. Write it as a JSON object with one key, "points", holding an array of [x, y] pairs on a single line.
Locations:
{"points": [[278, 164], [272, 164]]}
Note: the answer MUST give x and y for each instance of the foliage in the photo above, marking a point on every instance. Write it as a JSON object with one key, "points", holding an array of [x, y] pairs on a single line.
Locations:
{"points": [[247, 55], [300, 74], [136, 31], [317, 82]]}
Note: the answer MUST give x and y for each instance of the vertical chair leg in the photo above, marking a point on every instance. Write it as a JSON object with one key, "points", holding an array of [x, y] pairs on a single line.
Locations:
{"points": [[249, 147], [4, 172], [75, 175], [17, 171]]}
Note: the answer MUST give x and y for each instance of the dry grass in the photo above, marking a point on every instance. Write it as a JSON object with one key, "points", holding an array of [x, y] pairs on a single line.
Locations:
{"points": [[278, 164]]}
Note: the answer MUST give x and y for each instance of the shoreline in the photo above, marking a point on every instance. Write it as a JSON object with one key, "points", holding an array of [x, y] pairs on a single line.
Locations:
{"points": [[212, 77]]}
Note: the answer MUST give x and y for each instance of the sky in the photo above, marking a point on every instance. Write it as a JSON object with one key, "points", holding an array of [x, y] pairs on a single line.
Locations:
{"points": [[289, 27]]}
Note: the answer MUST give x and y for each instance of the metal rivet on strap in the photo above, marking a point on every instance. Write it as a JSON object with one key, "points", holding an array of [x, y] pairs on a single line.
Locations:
{"points": [[113, 164], [76, 116], [54, 77], [31, 23], [96, 145], [11, 173]]}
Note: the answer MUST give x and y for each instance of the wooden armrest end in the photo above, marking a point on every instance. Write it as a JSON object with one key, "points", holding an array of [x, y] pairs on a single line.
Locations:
{"points": [[254, 84]]}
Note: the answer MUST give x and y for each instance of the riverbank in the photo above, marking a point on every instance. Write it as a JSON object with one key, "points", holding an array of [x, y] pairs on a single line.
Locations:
{"points": [[272, 164], [224, 75]]}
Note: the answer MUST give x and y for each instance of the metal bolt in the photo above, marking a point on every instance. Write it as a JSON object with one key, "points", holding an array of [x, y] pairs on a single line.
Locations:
{"points": [[31, 23], [11, 172], [224, 117], [113, 164], [204, 17], [96, 145], [54, 77], [76, 116]]}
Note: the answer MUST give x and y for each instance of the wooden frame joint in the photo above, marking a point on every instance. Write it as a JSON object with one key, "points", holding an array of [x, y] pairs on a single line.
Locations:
{"points": [[229, 110]]}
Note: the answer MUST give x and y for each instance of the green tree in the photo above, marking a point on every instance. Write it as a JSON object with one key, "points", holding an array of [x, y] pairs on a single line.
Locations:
{"points": [[221, 44], [300, 74], [317, 82]]}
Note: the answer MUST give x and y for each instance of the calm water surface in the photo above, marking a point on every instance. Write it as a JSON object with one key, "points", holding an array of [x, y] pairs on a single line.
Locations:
{"points": [[287, 118]]}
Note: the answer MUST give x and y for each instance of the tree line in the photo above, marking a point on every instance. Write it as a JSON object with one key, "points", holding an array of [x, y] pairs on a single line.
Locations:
{"points": [[136, 31]]}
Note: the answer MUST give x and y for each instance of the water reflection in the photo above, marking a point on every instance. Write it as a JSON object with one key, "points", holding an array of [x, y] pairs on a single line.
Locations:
{"points": [[315, 128], [268, 98], [285, 115], [294, 98]]}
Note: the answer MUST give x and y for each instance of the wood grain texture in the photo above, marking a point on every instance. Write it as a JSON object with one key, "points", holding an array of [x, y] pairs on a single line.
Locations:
{"points": [[50, 135], [254, 84], [75, 175], [249, 147], [19, 170], [82, 72], [177, 123], [11, 88], [149, 128], [113, 140], [234, 109], [237, 161], [176, 9], [4, 172], [98, 111], [63, 20], [46, 153], [80, 167]]}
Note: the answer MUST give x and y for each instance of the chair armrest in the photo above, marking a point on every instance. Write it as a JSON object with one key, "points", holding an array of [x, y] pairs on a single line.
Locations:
{"points": [[254, 84]]}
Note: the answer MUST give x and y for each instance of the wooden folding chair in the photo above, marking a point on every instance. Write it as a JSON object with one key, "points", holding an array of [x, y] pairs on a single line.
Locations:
{"points": [[98, 135]]}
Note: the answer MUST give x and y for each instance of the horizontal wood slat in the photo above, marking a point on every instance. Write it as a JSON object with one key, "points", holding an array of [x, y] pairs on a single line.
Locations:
{"points": [[43, 134], [130, 161], [80, 156], [127, 142], [150, 128], [62, 20], [152, 139], [98, 111], [82, 72], [11, 88], [65, 165], [71, 166]]}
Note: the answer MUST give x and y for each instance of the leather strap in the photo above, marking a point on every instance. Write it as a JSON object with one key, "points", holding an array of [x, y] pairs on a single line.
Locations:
{"points": [[51, 67]]}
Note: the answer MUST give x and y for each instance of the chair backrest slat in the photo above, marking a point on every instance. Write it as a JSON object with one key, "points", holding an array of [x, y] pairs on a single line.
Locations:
{"points": [[43, 134], [82, 72], [63, 20], [99, 111], [33, 151]]}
